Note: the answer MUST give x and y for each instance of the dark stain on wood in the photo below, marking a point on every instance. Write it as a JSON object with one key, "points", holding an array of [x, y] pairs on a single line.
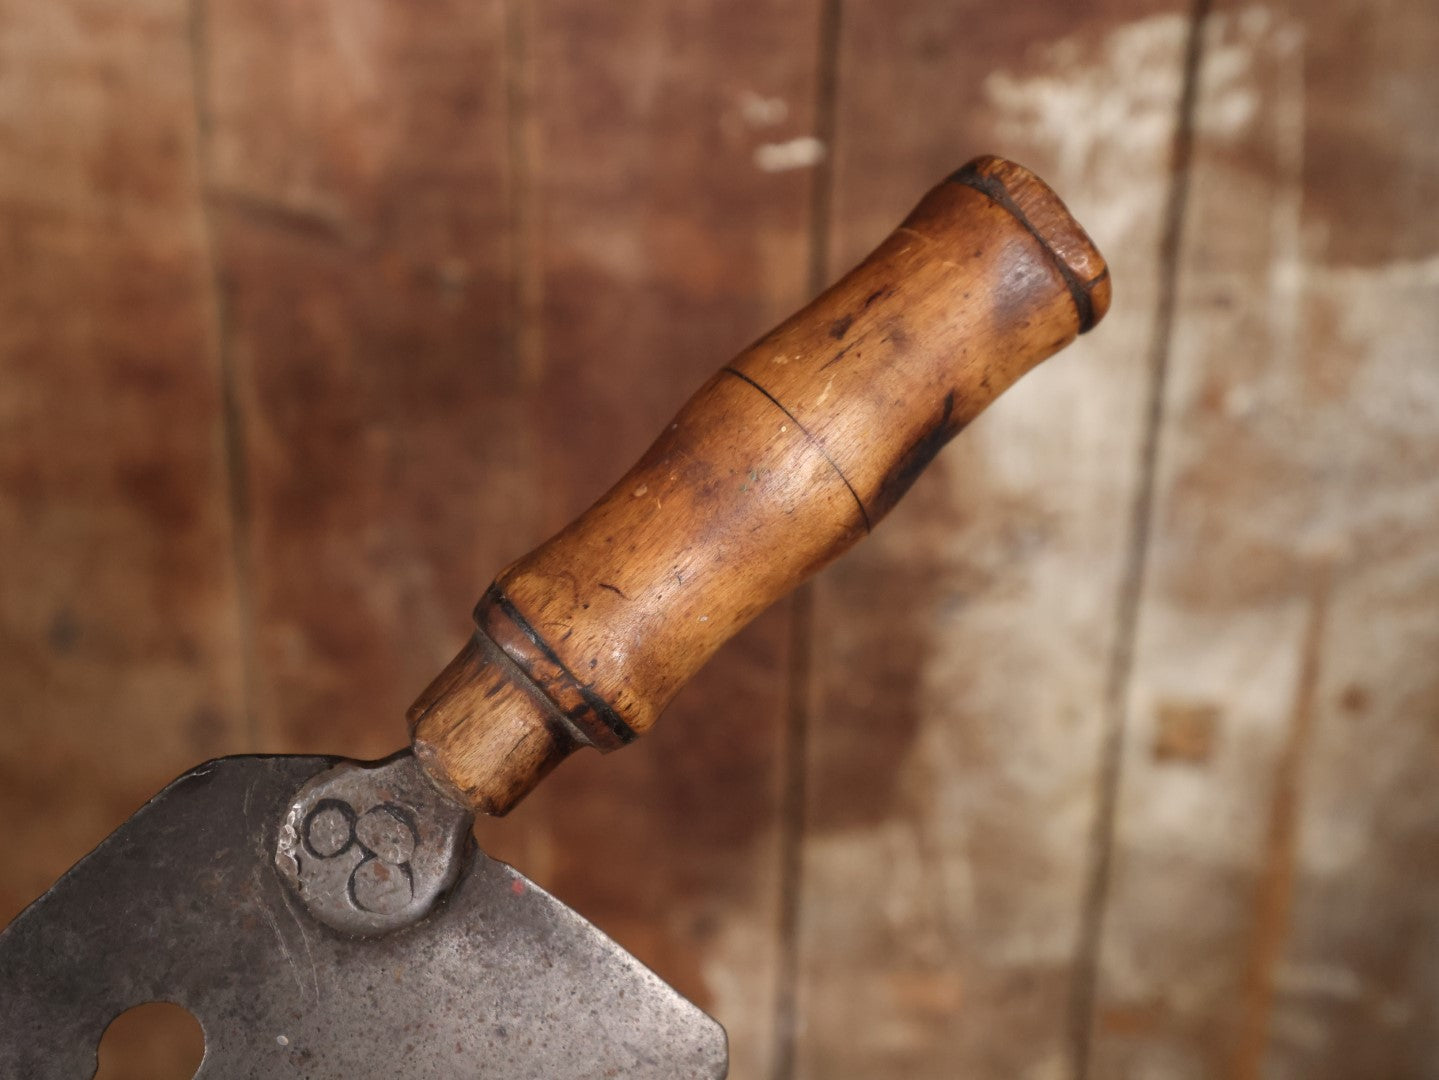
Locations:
{"points": [[895, 334], [1186, 731], [878, 294], [915, 459], [65, 630], [838, 356], [1355, 699]]}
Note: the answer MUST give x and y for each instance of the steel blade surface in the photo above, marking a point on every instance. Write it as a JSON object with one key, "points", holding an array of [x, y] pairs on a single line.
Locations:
{"points": [[183, 903]]}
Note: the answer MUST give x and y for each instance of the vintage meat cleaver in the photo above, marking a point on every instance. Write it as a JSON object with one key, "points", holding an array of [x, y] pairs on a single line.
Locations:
{"points": [[327, 918]]}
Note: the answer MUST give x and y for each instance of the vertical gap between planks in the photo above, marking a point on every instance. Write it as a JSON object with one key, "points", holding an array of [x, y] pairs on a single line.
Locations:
{"points": [[232, 432], [826, 93], [792, 829], [801, 639], [522, 158], [525, 336], [1117, 683], [1274, 896]]}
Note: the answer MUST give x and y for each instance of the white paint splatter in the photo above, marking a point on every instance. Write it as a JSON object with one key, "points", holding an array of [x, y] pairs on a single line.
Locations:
{"points": [[1105, 111], [759, 111], [804, 152]]}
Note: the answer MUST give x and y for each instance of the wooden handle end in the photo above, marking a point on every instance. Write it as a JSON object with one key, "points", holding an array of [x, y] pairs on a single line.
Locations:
{"points": [[1035, 205]]}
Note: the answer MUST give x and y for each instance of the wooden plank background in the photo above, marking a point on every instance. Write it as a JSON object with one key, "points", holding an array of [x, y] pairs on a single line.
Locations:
{"points": [[1111, 755]]}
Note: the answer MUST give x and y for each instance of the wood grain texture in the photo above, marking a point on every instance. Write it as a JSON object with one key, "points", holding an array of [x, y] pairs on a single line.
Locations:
{"points": [[961, 658], [119, 659], [784, 459], [1273, 906]]}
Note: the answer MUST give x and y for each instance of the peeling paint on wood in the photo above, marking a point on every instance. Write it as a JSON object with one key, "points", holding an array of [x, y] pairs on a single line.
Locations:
{"points": [[961, 657], [1257, 925]]}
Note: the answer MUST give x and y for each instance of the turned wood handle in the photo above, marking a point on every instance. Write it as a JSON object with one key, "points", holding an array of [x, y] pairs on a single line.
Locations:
{"points": [[779, 463]]}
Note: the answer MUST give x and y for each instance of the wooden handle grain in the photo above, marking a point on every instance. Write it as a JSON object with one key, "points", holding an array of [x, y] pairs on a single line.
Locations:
{"points": [[782, 461]]}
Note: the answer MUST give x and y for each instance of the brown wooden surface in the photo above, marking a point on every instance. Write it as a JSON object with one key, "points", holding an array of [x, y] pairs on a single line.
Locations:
{"points": [[453, 269]]}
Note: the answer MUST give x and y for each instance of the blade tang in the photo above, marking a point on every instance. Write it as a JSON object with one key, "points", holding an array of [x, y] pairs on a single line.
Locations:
{"points": [[369, 847]]}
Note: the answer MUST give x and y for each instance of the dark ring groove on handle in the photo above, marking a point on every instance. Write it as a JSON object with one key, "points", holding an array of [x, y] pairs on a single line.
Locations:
{"points": [[816, 443], [989, 183]]}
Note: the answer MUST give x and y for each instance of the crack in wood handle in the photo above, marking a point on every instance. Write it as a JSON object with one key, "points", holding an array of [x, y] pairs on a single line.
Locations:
{"points": [[778, 464]]}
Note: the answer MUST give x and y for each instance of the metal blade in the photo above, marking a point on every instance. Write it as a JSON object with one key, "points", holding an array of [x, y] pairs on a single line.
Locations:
{"points": [[184, 903]]}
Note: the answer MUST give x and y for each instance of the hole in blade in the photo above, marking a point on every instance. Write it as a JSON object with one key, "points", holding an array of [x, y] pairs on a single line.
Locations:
{"points": [[154, 1041]]}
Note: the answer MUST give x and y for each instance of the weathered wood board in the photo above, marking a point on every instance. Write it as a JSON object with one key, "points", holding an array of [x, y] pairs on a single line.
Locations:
{"points": [[1273, 908], [119, 649], [962, 655]]}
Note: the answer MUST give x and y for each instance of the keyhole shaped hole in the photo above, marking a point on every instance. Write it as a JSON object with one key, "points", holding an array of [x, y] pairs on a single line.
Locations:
{"points": [[154, 1041]]}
